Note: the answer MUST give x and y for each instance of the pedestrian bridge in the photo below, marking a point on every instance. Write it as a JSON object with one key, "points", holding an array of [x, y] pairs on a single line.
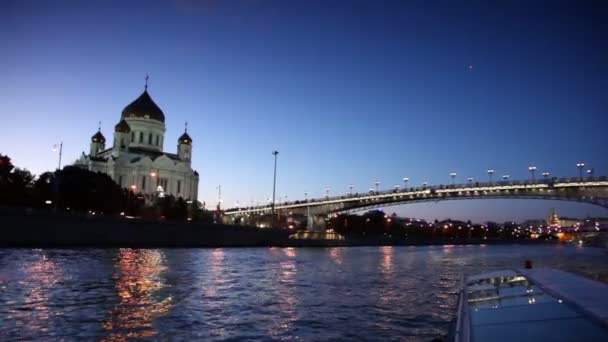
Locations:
{"points": [[593, 190]]}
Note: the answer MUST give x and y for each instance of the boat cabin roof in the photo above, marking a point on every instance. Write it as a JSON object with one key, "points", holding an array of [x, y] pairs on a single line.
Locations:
{"points": [[533, 305]]}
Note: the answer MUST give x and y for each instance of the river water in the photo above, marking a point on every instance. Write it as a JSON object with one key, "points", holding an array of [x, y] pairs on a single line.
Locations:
{"points": [[357, 293]]}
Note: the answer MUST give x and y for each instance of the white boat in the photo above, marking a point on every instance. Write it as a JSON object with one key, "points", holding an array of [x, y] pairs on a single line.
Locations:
{"points": [[531, 305]]}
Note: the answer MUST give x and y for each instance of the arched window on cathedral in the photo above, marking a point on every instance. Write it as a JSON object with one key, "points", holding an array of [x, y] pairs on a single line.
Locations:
{"points": [[150, 139], [133, 136], [141, 137], [157, 140]]}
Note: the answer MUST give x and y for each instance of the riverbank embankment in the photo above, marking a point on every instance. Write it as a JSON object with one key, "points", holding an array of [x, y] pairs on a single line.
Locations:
{"points": [[26, 228]]}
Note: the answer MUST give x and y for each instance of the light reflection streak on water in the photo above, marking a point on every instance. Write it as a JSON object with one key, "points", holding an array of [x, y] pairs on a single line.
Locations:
{"points": [[285, 292], [42, 273], [337, 255], [137, 281], [214, 289], [386, 289], [387, 259]]}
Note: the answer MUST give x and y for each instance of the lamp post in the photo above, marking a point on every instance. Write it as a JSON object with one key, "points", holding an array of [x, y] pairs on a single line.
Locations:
{"points": [[470, 180], [580, 169], [306, 196], [350, 187], [424, 184], [453, 176], [505, 177], [490, 173], [60, 153], [532, 169], [327, 192], [545, 174], [377, 183], [397, 187], [405, 180], [590, 172], [274, 184]]}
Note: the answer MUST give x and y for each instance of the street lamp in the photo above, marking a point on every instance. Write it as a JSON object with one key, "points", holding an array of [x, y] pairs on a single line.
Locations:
{"points": [[274, 183], [490, 173], [424, 184], [397, 187], [306, 196], [377, 183], [470, 180], [55, 148], [532, 169], [327, 192], [580, 169], [350, 187], [590, 172], [546, 174], [505, 177], [405, 180], [453, 176]]}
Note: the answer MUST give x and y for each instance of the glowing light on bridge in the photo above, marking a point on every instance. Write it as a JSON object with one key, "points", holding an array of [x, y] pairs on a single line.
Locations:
{"points": [[532, 169], [580, 166], [490, 173]]}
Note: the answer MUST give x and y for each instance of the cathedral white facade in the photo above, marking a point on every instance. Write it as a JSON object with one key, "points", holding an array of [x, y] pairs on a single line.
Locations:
{"points": [[135, 160]]}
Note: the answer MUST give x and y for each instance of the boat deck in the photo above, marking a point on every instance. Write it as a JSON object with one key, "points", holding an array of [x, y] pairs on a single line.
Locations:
{"points": [[534, 305], [589, 295]]}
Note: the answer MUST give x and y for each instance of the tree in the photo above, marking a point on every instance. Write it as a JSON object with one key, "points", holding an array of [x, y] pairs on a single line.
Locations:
{"points": [[15, 183]]}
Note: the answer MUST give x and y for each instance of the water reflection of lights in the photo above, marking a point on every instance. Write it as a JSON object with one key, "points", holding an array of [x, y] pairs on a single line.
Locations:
{"points": [[286, 294], [42, 273], [337, 255], [216, 271], [290, 252], [386, 291], [387, 258], [138, 281]]}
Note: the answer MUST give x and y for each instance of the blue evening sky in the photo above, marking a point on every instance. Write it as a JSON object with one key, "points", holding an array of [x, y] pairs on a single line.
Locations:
{"points": [[347, 91]]}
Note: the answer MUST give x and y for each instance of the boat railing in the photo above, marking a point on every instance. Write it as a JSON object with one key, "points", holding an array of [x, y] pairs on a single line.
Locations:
{"points": [[461, 331]]}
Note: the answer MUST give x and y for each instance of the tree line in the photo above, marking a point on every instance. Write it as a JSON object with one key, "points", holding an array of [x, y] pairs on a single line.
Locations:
{"points": [[79, 190]]}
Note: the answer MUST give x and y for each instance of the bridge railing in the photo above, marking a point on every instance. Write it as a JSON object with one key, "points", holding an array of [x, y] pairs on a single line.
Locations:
{"points": [[548, 181]]}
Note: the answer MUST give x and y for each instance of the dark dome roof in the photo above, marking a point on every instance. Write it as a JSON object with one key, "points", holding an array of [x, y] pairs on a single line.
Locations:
{"points": [[122, 127], [185, 139], [143, 107], [98, 138]]}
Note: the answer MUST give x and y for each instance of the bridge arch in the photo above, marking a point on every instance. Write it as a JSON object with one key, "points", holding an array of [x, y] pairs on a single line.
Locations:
{"points": [[371, 205]]}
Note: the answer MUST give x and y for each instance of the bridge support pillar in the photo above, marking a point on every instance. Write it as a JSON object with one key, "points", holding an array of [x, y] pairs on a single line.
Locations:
{"points": [[316, 223]]}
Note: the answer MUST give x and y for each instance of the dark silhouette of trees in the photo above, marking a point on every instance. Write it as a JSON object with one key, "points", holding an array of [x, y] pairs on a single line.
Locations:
{"points": [[171, 208], [15, 183], [81, 190]]}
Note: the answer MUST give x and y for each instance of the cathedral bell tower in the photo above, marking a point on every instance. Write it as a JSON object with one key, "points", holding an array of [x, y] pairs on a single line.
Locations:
{"points": [[98, 143], [122, 137], [184, 146]]}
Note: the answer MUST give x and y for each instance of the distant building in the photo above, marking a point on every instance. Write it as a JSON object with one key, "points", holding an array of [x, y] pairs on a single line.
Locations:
{"points": [[136, 159], [554, 221]]}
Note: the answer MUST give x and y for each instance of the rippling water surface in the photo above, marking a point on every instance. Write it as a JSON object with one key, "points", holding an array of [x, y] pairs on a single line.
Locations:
{"points": [[365, 293]]}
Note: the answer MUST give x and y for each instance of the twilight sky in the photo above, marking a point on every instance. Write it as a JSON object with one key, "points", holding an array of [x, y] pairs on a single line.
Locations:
{"points": [[347, 91]]}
